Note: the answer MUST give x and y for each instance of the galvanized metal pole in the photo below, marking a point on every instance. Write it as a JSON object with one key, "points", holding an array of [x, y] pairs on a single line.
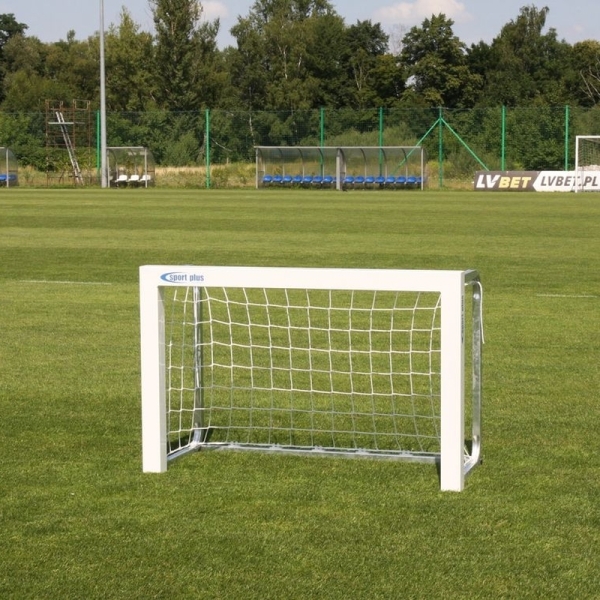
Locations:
{"points": [[103, 170]]}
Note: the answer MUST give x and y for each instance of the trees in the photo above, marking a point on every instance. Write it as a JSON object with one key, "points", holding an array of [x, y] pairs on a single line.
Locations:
{"points": [[297, 55], [292, 58], [282, 58], [585, 73], [324, 60], [75, 63], [436, 65], [185, 49], [9, 29], [523, 65], [36, 72], [374, 75], [130, 81]]}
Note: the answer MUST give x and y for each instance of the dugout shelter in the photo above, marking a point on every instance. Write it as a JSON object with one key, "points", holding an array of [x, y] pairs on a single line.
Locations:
{"points": [[130, 166], [341, 167], [9, 173]]}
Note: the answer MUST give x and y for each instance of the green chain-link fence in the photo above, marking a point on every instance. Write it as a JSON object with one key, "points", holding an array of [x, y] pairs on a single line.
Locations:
{"points": [[458, 142]]}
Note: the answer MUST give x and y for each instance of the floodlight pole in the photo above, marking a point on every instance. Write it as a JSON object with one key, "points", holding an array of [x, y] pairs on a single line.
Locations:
{"points": [[103, 173]]}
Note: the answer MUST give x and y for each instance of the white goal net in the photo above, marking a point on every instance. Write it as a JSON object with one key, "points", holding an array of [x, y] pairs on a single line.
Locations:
{"points": [[587, 163], [317, 361]]}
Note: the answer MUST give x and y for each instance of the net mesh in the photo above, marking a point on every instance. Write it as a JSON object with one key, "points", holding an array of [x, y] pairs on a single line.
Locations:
{"points": [[588, 153], [343, 371]]}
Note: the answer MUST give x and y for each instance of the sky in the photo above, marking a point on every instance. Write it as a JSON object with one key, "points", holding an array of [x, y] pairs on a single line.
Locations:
{"points": [[474, 20]]}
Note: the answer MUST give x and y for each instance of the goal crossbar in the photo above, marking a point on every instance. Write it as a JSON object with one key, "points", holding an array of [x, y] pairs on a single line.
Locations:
{"points": [[349, 362]]}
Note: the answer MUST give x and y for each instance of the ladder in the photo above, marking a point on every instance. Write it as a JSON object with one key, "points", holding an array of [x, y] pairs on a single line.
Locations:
{"points": [[60, 121]]}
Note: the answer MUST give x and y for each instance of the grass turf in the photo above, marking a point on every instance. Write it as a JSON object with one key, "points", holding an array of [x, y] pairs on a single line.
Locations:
{"points": [[79, 519]]}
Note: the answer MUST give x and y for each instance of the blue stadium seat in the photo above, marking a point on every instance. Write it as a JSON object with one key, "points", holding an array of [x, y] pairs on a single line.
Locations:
{"points": [[369, 181], [267, 180], [317, 180], [328, 180], [400, 181], [348, 180], [359, 180], [411, 181], [287, 180], [297, 180], [277, 179], [390, 181], [307, 180], [380, 180]]}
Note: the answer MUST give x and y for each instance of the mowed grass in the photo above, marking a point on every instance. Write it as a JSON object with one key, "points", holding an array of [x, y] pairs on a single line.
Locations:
{"points": [[78, 518]]}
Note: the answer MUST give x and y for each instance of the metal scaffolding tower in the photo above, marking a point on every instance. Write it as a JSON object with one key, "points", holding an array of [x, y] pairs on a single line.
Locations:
{"points": [[69, 142]]}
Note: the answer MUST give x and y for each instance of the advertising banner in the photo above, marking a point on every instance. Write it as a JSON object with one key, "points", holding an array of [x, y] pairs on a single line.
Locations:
{"points": [[537, 181]]}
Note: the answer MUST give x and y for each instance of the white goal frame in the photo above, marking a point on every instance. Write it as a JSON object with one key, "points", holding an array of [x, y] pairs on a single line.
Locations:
{"points": [[587, 176], [459, 451]]}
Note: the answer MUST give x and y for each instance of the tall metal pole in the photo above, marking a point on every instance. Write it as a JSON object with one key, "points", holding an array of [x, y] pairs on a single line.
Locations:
{"points": [[103, 170], [207, 137]]}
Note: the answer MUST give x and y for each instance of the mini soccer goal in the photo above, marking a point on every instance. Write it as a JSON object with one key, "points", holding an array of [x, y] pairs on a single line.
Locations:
{"points": [[336, 362], [587, 163], [9, 172], [130, 166], [341, 168]]}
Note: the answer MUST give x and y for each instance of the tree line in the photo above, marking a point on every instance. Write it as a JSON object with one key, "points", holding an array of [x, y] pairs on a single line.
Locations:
{"points": [[293, 55], [298, 74]]}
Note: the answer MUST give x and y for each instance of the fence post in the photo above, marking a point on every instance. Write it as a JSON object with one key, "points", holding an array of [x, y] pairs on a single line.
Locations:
{"points": [[441, 147], [322, 127], [207, 138], [503, 139], [567, 137]]}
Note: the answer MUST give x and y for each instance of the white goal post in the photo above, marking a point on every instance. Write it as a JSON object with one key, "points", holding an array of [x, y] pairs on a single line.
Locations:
{"points": [[349, 362], [587, 163]]}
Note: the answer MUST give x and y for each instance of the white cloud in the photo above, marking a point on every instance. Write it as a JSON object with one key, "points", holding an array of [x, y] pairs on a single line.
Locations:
{"points": [[212, 9], [413, 13]]}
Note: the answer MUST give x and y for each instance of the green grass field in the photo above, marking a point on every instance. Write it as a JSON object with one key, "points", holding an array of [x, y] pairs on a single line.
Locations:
{"points": [[78, 518]]}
